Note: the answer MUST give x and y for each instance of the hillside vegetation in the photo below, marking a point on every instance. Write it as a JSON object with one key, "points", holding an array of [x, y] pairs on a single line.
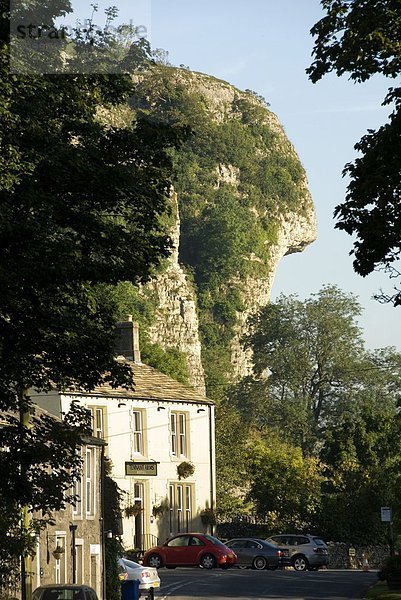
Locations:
{"points": [[235, 176]]}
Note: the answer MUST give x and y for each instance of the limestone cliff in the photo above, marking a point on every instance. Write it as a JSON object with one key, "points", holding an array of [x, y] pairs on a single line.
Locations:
{"points": [[176, 321], [243, 204]]}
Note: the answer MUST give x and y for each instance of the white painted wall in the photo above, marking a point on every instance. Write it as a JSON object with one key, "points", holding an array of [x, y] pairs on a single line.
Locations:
{"points": [[157, 438]]}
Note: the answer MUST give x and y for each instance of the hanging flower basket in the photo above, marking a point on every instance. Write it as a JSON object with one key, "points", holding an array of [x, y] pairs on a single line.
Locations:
{"points": [[58, 552], [132, 511], [159, 509], [185, 469], [208, 517]]}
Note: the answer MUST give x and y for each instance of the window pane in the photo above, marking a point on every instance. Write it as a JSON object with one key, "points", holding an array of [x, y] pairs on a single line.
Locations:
{"points": [[171, 502], [99, 423], [183, 445], [188, 508], [173, 421], [179, 507], [90, 482], [137, 433]]}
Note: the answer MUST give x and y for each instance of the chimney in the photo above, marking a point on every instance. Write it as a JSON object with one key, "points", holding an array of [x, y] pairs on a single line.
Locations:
{"points": [[127, 340]]}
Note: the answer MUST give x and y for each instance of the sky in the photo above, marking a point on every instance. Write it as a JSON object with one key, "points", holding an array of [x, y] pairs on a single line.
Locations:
{"points": [[265, 45]]}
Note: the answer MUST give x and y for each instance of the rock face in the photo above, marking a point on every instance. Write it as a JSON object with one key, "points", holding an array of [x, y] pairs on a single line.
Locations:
{"points": [[295, 233], [177, 321]]}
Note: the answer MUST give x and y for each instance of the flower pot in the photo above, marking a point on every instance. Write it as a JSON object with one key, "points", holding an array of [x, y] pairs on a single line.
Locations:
{"points": [[58, 552]]}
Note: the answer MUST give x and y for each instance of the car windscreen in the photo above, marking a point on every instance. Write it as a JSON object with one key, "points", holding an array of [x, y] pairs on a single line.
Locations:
{"points": [[213, 540], [63, 594]]}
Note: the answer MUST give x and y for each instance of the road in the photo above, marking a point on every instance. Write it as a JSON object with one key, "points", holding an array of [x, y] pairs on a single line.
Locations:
{"points": [[185, 584]]}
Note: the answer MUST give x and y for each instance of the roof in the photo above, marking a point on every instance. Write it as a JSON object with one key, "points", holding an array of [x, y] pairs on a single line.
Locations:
{"points": [[149, 384]]}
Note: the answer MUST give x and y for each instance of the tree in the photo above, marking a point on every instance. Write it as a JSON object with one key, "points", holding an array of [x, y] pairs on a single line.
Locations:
{"points": [[362, 466], [320, 403], [231, 466], [112, 522], [284, 485], [80, 207], [306, 356], [363, 38]]}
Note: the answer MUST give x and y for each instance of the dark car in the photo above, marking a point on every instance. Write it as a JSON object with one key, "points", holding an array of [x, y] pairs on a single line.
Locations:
{"points": [[256, 553], [64, 591], [189, 550], [305, 552]]}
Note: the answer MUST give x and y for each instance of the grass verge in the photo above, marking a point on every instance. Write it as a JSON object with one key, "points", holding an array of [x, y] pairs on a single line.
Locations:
{"points": [[381, 591]]}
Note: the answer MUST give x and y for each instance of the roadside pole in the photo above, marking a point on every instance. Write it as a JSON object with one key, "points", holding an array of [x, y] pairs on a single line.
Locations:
{"points": [[26, 559], [387, 517]]}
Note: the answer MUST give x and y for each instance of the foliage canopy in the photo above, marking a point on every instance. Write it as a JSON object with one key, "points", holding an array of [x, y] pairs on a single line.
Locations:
{"points": [[319, 421], [81, 205], [363, 38]]}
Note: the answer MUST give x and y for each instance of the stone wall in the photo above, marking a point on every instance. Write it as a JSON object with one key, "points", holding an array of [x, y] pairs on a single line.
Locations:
{"points": [[340, 558]]}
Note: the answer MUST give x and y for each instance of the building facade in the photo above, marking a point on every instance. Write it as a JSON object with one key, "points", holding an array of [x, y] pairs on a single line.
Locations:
{"points": [[71, 549], [161, 443]]}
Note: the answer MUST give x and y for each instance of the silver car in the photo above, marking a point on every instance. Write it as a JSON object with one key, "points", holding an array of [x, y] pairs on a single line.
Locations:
{"points": [[306, 551], [64, 591], [256, 553], [148, 577]]}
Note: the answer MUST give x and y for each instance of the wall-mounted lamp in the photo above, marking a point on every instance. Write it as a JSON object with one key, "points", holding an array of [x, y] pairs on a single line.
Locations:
{"points": [[109, 534], [58, 550], [161, 408], [120, 404], [200, 410]]}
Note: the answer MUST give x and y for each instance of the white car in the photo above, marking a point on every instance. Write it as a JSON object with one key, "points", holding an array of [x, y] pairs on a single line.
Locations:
{"points": [[148, 577]]}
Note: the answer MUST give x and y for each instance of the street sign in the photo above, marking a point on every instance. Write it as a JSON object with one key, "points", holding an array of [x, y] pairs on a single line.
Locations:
{"points": [[351, 552], [386, 515]]}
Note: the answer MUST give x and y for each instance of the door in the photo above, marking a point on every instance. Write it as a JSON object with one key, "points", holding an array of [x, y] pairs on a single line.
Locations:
{"points": [[195, 548], [138, 519], [250, 551], [239, 548], [177, 551]]}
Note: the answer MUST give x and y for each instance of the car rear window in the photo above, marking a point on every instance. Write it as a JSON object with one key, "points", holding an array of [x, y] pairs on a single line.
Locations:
{"points": [[272, 541], [213, 540], [319, 542]]}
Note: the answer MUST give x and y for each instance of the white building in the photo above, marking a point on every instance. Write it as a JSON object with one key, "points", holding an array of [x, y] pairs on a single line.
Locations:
{"points": [[150, 431]]}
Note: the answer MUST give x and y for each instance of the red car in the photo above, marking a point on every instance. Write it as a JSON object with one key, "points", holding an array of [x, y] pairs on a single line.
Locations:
{"points": [[189, 550]]}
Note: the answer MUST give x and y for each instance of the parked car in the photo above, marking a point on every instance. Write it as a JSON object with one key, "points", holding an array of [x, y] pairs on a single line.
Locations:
{"points": [[256, 553], [63, 591], [148, 577], [191, 549], [306, 551]]}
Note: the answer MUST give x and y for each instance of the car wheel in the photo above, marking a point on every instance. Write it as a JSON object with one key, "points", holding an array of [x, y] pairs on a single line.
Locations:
{"points": [[300, 563], [208, 561], [259, 563], [154, 560]]}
